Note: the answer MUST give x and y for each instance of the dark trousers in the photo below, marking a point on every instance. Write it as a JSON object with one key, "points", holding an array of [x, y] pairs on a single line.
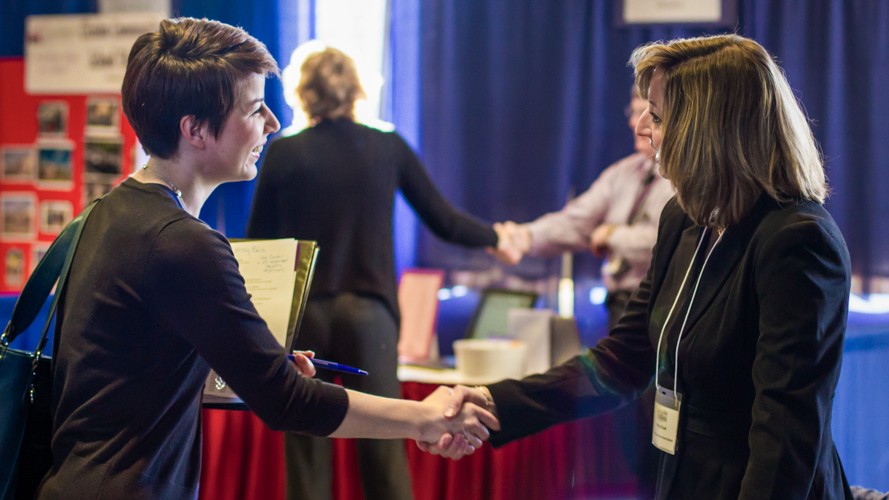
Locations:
{"points": [[634, 422], [357, 331]]}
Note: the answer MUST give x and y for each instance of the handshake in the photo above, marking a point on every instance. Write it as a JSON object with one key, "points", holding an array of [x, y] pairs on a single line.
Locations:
{"points": [[449, 422], [513, 242], [464, 417]]}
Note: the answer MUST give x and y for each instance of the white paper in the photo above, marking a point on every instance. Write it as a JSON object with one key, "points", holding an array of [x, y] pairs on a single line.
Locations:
{"points": [[269, 270], [81, 53], [672, 11]]}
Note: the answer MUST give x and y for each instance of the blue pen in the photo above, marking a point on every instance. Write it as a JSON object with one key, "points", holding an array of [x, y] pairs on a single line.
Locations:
{"points": [[330, 365]]}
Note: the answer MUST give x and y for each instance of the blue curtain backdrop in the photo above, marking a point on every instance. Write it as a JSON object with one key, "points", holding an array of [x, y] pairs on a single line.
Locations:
{"points": [[519, 101], [14, 12], [514, 103]]}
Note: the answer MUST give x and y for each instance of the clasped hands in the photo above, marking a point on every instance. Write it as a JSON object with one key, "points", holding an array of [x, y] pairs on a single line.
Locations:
{"points": [[513, 242], [454, 422], [468, 413]]}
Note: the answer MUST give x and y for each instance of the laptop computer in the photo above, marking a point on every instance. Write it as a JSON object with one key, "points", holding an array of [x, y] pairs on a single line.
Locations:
{"points": [[490, 316]]}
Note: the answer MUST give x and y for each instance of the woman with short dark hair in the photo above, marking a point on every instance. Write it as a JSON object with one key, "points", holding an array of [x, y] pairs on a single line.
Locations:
{"points": [[154, 298]]}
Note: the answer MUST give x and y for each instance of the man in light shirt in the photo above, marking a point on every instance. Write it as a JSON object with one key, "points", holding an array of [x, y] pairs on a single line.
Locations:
{"points": [[616, 218]]}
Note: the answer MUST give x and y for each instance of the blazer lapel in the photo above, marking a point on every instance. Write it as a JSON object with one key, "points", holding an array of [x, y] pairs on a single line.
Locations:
{"points": [[722, 263], [665, 251], [725, 257]]}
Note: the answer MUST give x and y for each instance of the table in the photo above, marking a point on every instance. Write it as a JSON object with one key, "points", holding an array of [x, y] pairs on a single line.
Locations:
{"points": [[243, 459]]}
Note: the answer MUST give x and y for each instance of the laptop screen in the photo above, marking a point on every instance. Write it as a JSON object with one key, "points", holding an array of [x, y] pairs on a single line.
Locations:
{"points": [[490, 317]]}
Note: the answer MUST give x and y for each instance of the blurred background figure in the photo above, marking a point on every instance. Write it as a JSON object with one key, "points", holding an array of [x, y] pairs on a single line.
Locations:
{"points": [[335, 182], [366, 103], [617, 219]]}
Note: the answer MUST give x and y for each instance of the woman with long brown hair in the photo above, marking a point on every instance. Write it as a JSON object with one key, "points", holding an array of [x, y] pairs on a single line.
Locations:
{"points": [[741, 319]]}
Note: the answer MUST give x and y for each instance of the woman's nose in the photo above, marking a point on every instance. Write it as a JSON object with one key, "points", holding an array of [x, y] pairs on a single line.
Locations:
{"points": [[641, 126], [271, 123]]}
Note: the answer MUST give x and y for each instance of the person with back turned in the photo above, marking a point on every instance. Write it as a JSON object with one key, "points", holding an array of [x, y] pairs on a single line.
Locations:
{"points": [[335, 183]]}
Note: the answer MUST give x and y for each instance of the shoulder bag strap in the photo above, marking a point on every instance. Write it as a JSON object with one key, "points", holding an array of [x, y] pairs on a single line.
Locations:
{"points": [[54, 265]]}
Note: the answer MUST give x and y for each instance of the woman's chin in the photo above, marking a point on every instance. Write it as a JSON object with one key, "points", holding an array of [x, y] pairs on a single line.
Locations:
{"points": [[249, 171]]}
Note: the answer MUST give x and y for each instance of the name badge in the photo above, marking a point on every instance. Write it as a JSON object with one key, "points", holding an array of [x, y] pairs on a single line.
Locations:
{"points": [[666, 420]]}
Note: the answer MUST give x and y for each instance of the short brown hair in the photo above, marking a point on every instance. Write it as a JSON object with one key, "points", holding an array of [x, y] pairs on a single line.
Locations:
{"points": [[187, 67], [329, 85], [732, 127]]}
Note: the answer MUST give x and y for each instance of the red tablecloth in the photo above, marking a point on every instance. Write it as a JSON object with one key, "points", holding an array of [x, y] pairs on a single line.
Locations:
{"points": [[243, 460]]}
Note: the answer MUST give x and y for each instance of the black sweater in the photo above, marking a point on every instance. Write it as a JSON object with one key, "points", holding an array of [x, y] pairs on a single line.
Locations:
{"points": [[153, 297], [335, 183]]}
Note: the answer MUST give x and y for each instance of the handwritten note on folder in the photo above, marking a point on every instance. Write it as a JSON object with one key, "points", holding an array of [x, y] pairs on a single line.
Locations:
{"points": [[269, 270], [277, 274]]}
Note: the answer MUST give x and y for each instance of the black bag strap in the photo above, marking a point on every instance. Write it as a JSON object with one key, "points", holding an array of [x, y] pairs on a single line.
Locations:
{"points": [[54, 265]]}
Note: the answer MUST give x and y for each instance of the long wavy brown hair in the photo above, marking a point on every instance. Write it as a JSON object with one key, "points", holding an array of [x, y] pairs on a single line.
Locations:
{"points": [[732, 127]]}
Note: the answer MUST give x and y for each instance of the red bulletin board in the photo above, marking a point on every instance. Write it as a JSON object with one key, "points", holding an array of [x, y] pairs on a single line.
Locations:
{"points": [[57, 152]]}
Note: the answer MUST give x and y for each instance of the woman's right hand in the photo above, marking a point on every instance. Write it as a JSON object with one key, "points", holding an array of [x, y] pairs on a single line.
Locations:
{"points": [[461, 424], [303, 362]]}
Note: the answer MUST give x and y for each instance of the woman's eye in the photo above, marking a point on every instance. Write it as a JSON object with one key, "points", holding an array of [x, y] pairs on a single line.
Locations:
{"points": [[655, 118]]}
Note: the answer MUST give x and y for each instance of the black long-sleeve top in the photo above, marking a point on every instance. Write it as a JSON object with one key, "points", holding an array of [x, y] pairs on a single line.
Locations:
{"points": [[335, 183], [154, 299]]}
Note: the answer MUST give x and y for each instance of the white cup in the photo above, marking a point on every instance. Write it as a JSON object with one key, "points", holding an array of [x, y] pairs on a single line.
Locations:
{"points": [[489, 360]]}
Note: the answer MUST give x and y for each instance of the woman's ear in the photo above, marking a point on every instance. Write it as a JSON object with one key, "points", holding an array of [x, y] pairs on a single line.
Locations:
{"points": [[194, 132]]}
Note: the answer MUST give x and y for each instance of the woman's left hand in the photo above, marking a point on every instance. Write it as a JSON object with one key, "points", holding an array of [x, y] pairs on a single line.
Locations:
{"points": [[304, 363]]}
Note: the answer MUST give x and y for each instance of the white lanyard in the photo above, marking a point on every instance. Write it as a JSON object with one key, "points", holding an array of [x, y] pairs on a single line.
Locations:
{"points": [[690, 302]]}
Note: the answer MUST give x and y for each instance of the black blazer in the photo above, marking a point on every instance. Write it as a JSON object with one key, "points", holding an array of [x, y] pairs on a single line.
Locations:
{"points": [[759, 358]]}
